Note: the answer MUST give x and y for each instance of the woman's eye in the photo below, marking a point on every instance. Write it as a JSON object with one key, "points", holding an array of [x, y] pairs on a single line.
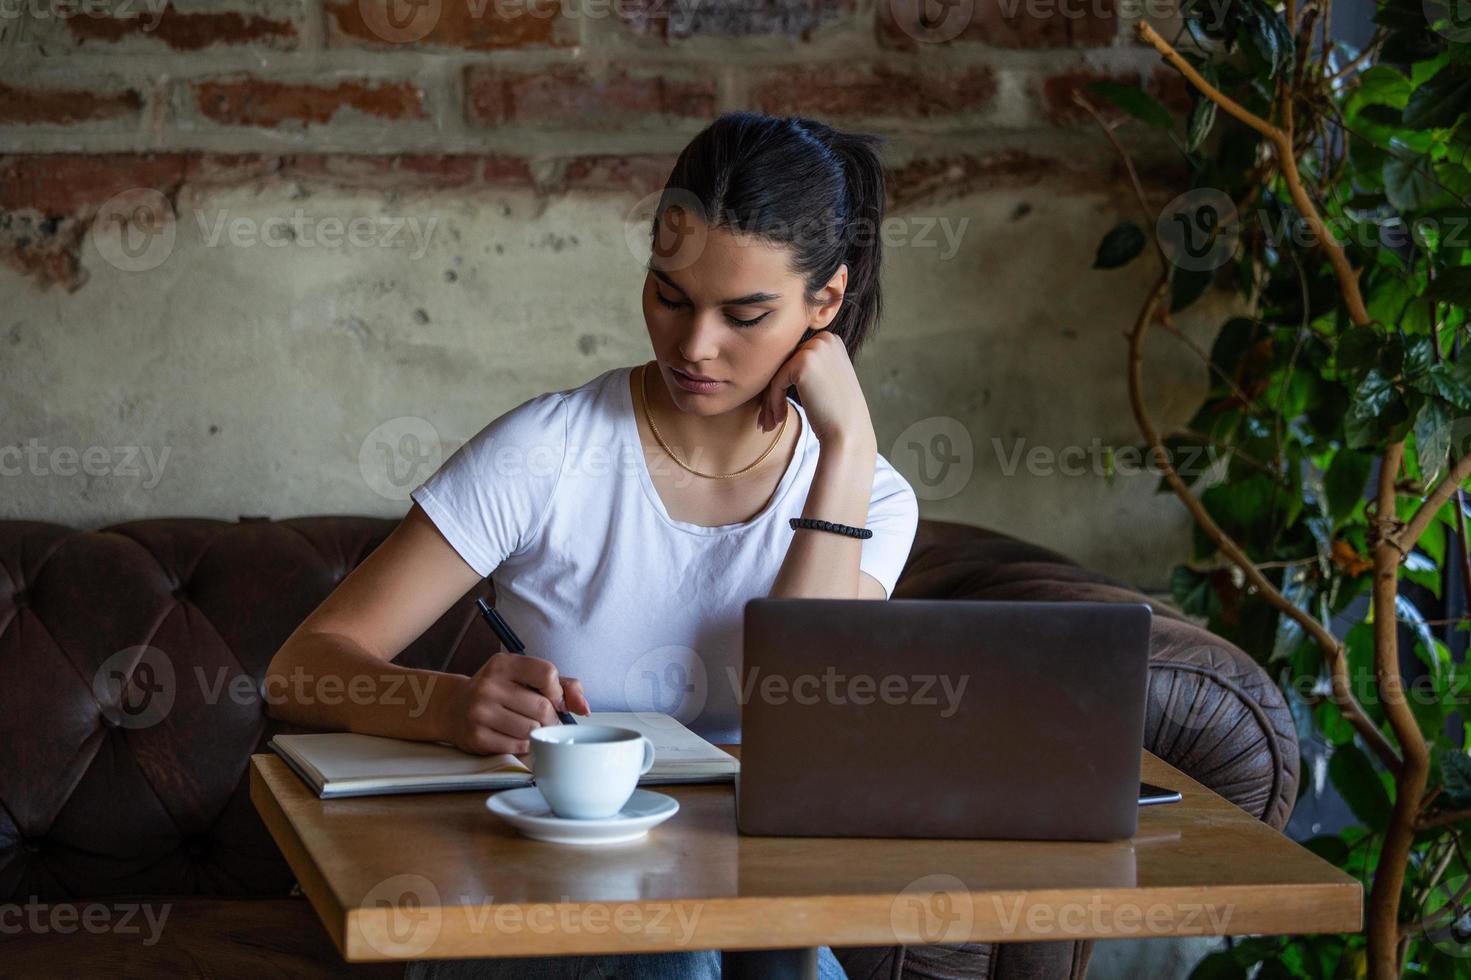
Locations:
{"points": [[670, 304]]}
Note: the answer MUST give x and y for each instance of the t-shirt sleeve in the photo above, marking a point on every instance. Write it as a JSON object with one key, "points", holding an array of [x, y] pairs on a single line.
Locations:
{"points": [[492, 495], [893, 516]]}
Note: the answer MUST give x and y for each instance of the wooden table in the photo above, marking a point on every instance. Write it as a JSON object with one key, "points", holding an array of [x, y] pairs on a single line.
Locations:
{"points": [[436, 875]]}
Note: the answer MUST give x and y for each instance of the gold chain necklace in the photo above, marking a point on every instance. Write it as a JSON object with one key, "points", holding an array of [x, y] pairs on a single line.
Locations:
{"points": [[644, 402]]}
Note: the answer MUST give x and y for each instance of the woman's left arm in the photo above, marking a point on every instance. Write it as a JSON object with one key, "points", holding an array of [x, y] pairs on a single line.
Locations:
{"points": [[824, 564]]}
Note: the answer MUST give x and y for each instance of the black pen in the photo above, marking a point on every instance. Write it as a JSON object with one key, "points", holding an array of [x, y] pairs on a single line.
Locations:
{"points": [[513, 644]]}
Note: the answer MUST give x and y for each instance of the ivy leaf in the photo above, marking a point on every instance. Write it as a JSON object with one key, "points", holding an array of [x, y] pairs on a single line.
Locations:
{"points": [[1372, 395], [1443, 380], [1442, 100], [1408, 179], [1358, 348], [1202, 118], [1188, 285], [1452, 286], [1381, 85], [1136, 102], [1345, 480], [1432, 438], [1120, 246], [1455, 770], [1357, 781]]}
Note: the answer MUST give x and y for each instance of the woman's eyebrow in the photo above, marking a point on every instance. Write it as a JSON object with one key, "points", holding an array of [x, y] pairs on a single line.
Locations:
{"points": [[749, 300]]}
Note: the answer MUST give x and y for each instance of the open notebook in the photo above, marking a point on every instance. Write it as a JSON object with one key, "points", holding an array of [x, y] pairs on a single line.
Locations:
{"points": [[351, 764]]}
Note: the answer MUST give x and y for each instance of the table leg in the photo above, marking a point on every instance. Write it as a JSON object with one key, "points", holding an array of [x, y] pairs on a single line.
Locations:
{"points": [[769, 964]]}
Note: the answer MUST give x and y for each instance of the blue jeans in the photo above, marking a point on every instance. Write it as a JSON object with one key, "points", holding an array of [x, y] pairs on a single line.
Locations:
{"points": [[701, 965]]}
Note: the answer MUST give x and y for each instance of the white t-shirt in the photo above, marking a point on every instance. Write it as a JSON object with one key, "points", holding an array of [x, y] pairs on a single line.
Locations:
{"points": [[554, 502]]}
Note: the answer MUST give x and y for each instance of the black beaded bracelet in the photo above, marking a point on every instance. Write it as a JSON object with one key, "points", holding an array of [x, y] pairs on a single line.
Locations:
{"points": [[817, 525]]}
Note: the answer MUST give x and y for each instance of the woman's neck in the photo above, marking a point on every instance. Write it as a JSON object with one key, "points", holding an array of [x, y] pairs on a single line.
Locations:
{"points": [[711, 444]]}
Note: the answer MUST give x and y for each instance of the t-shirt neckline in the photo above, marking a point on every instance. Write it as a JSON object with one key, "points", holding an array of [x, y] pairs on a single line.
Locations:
{"points": [[630, 417]]}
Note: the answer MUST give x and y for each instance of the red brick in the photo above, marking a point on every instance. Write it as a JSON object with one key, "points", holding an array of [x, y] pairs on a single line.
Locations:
{"points": [[248, 101], [69, 183], [1001, 24], [638, 173], [575, 94], [192, 31], [791, 19], [55, 106], [1057, 95], [472, 25], [935, 180], [862, 91]]}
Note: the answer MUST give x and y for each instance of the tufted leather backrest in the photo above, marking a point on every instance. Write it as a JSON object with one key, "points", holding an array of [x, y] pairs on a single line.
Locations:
{"points": [[131, 659]]}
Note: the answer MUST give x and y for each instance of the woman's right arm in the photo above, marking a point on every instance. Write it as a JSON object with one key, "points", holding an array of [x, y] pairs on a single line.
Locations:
{"points": [[335, 672]]}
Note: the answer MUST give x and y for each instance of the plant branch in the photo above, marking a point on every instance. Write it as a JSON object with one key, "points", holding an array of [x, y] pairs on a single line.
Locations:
{"points": [[1406, 537], [1333, 650], [1410, 779], [1281, 140]]}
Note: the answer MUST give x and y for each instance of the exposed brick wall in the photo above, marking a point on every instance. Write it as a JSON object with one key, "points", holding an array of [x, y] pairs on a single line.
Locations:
{"points": [[557, 95]]}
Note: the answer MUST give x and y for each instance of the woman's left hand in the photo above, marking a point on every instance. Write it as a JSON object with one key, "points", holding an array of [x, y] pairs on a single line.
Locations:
{"points": [[831, 396]]}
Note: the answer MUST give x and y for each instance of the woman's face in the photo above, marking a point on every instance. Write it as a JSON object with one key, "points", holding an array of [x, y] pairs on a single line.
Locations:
{"points": [[727, 306]]}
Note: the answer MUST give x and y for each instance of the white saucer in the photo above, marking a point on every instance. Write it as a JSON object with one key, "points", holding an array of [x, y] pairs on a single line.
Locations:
{"points": [[527, 810]]}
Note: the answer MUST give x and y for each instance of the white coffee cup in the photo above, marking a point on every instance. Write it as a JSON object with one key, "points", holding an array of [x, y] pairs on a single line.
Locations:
{"points": [[587, 772]]}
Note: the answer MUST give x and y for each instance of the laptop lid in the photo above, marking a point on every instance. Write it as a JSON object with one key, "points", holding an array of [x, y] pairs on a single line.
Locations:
{"points": [[942, 718]]}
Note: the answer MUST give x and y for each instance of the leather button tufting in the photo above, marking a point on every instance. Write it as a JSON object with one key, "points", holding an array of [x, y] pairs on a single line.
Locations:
{"points": [[31, 846], [195, 847], [21, 598], [180, 592]]}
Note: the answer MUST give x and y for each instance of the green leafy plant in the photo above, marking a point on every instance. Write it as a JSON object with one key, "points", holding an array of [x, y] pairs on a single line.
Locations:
{"points": [[1331, 189]]}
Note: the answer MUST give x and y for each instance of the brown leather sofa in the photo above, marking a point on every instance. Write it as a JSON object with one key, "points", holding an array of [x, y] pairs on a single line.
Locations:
{"points": [[105, 821]]}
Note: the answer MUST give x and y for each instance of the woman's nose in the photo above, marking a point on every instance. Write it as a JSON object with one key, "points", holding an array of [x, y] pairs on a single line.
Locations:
{"points": [[700, 341]]}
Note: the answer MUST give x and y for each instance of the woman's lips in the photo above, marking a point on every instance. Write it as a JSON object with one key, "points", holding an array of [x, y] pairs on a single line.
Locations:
{"points": [[690, 384]]}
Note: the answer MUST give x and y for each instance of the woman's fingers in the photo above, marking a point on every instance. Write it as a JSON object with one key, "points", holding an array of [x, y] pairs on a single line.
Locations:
{"points": [[573, 696]]}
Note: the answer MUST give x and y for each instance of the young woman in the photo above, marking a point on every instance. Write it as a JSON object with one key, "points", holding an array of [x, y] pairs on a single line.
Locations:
{"points": [[626, 522]]}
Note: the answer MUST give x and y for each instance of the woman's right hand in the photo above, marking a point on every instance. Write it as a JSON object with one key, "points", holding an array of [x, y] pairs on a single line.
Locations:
{"points": [[509, 697]]}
